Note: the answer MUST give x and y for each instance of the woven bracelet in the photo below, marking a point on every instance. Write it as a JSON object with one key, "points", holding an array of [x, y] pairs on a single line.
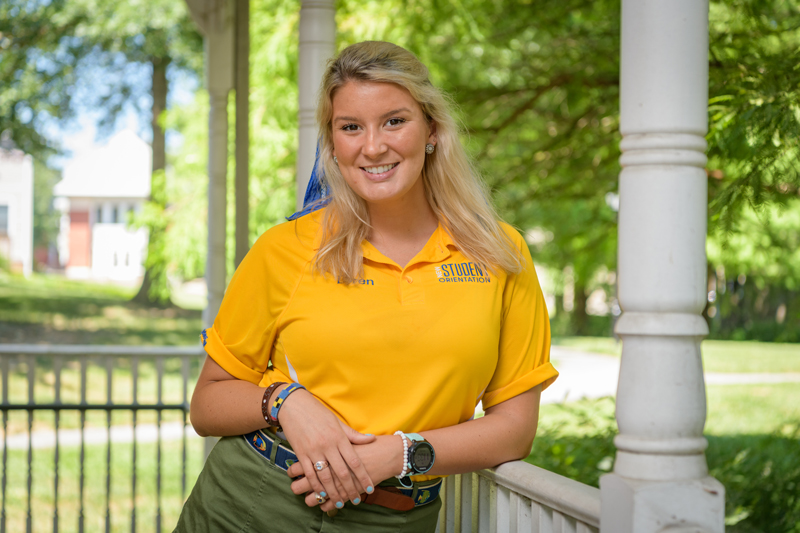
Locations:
{"points": [[271, 422], [278, 403]]}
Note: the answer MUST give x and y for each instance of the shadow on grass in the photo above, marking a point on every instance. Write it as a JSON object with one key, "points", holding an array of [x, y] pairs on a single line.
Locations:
{"points": [[57, 311], [761, 472], [25, 333]]}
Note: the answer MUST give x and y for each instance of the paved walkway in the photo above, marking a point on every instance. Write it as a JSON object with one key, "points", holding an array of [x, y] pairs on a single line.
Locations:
{"points": [[582, 375], [589, 375], [145, 433]]}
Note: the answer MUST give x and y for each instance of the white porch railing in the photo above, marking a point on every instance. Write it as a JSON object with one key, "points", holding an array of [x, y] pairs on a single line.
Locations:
{"points": [[517, 497]]}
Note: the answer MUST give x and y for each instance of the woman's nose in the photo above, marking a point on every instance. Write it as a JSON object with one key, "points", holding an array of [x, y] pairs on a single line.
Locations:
{"points": [[374, 144]]}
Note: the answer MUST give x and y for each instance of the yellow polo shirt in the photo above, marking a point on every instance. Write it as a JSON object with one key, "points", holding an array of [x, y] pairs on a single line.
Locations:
{"points": [[409, 349]]}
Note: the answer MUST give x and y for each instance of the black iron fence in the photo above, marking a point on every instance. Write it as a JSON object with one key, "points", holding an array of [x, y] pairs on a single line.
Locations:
{"points": [[96, 438]]}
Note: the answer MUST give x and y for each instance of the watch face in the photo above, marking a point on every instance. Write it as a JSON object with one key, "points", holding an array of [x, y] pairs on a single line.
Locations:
{"points": [[422, 457]]}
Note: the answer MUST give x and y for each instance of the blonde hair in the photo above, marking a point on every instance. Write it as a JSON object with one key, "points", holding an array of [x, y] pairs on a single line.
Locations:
{"points": [[457, 195]]}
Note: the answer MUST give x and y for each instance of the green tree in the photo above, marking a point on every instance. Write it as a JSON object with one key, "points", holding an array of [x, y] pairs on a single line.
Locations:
{"points": [[754, 169], [45, 217], [754, 106], [165, 37], [52, 42], [37, 65]]}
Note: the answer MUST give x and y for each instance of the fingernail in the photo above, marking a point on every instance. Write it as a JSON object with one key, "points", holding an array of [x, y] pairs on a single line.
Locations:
{"points": [[370, 490], [323, 494], [339, 505], [370, 435], [357, 501]]}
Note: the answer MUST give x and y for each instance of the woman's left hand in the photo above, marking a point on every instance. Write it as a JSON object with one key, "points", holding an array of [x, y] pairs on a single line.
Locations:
{"points": [[382, 458]]}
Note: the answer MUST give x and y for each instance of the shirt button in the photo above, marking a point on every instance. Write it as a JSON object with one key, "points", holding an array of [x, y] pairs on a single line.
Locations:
{"points": [[409, 279]]}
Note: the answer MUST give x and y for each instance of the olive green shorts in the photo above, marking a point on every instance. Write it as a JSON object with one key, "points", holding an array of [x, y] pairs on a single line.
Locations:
{"points": [[241, 491]]}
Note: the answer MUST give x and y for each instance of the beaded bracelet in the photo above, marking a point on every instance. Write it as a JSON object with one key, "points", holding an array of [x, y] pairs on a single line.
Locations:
{"points": [[278, 403], [404, 472], [271, 422]]}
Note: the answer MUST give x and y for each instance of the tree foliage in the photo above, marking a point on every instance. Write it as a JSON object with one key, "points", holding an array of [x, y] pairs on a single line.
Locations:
{"points": [[754, 168], [754, 107], [37, 65]]}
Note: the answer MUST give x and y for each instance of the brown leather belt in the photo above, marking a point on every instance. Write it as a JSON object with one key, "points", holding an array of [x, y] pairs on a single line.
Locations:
{"points": [[394, 497]]}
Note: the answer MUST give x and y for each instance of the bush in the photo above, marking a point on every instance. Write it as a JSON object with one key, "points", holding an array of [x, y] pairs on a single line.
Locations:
{"points": [[761, 473], [577, 441]]}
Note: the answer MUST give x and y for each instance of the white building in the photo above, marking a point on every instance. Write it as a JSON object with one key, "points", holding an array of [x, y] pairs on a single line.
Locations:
{"points": [[16, 209], [99, 193]]}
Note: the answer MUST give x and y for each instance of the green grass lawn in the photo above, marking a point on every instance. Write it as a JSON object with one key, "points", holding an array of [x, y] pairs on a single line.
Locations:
{"points": [[718, 356], [52, 309], [752, 409]]}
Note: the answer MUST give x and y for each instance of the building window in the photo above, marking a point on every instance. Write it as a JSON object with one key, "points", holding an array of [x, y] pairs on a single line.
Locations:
{"points": [[3, 219], [115, 215], [99, 215]]}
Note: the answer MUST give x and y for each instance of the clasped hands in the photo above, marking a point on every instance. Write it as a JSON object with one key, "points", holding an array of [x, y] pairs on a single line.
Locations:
{"points": [[356, 463]]}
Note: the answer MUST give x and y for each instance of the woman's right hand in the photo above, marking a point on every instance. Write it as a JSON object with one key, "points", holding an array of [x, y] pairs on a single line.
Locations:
{"points": [[316, 434], [383, 459]]}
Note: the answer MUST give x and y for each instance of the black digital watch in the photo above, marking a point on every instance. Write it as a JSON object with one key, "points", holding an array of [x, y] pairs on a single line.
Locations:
{"points": [[420, 454]]}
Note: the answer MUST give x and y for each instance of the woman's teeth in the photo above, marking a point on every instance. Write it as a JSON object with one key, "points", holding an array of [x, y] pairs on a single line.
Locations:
{"points": [[380, 170]]}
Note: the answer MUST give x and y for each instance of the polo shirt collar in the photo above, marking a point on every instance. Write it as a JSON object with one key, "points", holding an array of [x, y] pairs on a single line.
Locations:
{"points": [[435, 250]]}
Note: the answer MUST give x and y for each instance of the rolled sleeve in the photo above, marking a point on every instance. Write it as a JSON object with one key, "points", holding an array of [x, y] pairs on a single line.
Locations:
{"points": [[216, 349], [524, 354]]}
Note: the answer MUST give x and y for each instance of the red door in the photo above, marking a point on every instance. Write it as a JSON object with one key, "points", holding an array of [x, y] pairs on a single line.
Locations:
{"points": [[80, 239]]}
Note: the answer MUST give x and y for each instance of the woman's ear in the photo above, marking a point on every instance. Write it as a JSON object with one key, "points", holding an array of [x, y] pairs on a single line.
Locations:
{"points": [[432, 136]]}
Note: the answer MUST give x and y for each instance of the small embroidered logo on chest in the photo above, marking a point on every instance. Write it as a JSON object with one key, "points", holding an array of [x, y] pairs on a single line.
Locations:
{"points": [[358, 282], [467, 272]]}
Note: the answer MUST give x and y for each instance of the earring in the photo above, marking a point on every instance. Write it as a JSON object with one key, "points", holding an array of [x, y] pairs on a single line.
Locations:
{"points": [[429, 148], [335, 160]]}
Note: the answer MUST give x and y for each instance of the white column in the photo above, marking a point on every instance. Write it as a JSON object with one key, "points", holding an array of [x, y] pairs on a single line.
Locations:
{"points": [[660, 481], [242, 80], [217, 29], [317, 45], [215, 20]]}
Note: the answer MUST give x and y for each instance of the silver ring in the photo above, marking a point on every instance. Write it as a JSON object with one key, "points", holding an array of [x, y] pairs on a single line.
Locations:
{"points": [[320, 465]]}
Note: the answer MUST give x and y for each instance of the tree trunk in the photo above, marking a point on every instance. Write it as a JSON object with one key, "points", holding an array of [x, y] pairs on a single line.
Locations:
{"points": [[155, 289], [580, 320]]}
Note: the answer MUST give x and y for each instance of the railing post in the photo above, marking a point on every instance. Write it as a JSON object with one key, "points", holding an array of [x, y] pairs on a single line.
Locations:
{"points": [[660, 477], [317, 45]]}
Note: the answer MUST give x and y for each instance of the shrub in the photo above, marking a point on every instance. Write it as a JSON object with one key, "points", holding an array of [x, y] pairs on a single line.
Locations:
{"points": [[761, 473]]}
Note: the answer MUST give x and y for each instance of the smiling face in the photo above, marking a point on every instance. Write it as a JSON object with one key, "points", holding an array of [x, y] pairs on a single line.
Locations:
{"points": [[379, 138]]}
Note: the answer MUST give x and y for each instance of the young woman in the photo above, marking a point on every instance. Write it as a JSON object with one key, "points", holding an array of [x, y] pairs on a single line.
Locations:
{"points": [[398, 301]]}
